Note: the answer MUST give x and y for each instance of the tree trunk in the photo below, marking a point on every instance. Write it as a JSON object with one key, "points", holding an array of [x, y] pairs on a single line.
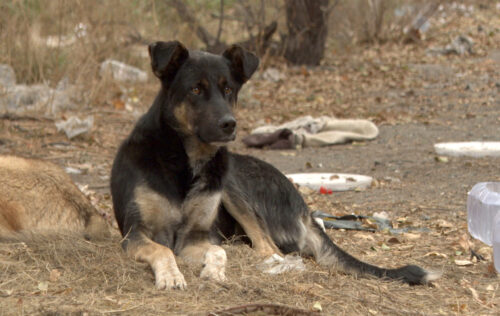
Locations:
{"points": [[307, 30]]}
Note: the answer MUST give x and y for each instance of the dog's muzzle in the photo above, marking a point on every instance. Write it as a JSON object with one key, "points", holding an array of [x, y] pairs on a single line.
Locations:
{"points": [[227, 125]]}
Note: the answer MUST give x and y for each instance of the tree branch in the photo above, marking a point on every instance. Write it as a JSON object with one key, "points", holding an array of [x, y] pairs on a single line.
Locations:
{"points": [[221, 20], [186, 15]]}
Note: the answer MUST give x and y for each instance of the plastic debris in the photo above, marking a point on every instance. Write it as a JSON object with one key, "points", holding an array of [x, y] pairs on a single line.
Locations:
{"points": [[461, 45], [364, 223], [37, 99], [272, 75], [7, 77], [73, 126], [471, 149], [326, 183], [122, 72], [277, 264]]}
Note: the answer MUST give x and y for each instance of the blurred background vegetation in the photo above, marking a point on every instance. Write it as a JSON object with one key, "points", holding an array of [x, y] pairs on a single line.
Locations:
{"points": [[48, 40]]}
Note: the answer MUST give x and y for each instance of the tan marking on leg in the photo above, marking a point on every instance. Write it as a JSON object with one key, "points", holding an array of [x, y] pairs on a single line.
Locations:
{"points": [[261, 241], [213, 258], [162, 261]]}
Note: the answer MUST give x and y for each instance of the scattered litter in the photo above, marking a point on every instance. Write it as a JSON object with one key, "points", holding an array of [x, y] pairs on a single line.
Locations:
{"points": [[442, 159], [471, 149], [463, 263], [276, 264], [461, 45], [381, 215], [37, 99], [323, 190], [483, 216], [272, 75], [307, 131], [325, 183], [436, 254], [7, 77], [122, 72], [317, 307], [79, 31], [71, 170], [43, 286], [73, 126], [363, 223]]}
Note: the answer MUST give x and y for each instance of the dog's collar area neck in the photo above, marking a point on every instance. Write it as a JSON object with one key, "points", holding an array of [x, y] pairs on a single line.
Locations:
{"points": [[198, 152]]}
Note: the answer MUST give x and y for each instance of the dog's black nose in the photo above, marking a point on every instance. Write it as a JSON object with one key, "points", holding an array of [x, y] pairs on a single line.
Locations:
{"points": [[227, 124]]}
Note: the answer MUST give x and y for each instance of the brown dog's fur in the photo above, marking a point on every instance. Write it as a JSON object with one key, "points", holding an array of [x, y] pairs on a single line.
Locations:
{"points": [[38, 197]]}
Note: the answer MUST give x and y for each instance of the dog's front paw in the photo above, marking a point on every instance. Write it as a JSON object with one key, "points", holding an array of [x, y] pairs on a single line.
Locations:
{"points": [[169, 278], [215, 265]]}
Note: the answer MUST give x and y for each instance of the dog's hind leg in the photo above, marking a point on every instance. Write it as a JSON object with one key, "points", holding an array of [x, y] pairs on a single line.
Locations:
{"points": [[242, 213], [160, 258], [326, 252]]}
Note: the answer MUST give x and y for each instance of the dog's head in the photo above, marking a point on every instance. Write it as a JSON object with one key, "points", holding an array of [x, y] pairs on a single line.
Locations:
{"points": [[201, 88]]}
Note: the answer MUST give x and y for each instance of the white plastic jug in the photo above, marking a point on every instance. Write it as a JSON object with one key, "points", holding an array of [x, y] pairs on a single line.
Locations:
{"points": [[483, 216]]}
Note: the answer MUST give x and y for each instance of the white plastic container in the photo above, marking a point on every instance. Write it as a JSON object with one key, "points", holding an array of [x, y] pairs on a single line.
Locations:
{"points": [[332, 181], [496, 242], [483, 215], [471, 149]]}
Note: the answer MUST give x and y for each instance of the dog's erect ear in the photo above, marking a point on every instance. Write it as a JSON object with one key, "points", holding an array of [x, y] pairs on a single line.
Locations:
{"points": [[166, 58], [243, 63]]}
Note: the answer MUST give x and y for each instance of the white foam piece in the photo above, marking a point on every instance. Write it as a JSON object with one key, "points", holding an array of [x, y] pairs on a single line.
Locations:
{"points": [[332, 181], [472, 149]]}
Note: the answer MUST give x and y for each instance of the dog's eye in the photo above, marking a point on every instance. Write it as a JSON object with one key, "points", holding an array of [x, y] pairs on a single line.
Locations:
{"points": [[196, 90], [228, 90]]}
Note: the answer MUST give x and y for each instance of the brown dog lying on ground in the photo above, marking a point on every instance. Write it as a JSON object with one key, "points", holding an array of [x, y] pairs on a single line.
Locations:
{"points": [[38, 197]]}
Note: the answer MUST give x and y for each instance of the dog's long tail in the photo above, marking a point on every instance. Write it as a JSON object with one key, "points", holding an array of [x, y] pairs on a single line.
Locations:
{"points": [[328, 253]]}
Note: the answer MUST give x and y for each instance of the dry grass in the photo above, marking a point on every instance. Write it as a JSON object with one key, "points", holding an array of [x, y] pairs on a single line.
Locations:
{"points": [[67, 275]]}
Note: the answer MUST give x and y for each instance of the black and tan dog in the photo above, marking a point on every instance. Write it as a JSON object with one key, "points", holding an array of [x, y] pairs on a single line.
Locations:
{"points": [[176, 189]]}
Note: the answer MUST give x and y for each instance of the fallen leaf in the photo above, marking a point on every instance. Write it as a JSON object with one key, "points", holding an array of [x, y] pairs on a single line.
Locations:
{"points": [[441, 159], [43, 286], [463, 263], [393, 240], [412, 236], [317, 307], [444, 224], [436, 254], [474, 294], [385, 247], [464, 242], [305, 190], [382, 215], [54, 275], [118, 104], [364, 236], [491, 269]]}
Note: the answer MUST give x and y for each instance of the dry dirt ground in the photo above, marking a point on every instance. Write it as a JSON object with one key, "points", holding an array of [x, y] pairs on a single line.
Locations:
{"points": [[415, 99]]}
